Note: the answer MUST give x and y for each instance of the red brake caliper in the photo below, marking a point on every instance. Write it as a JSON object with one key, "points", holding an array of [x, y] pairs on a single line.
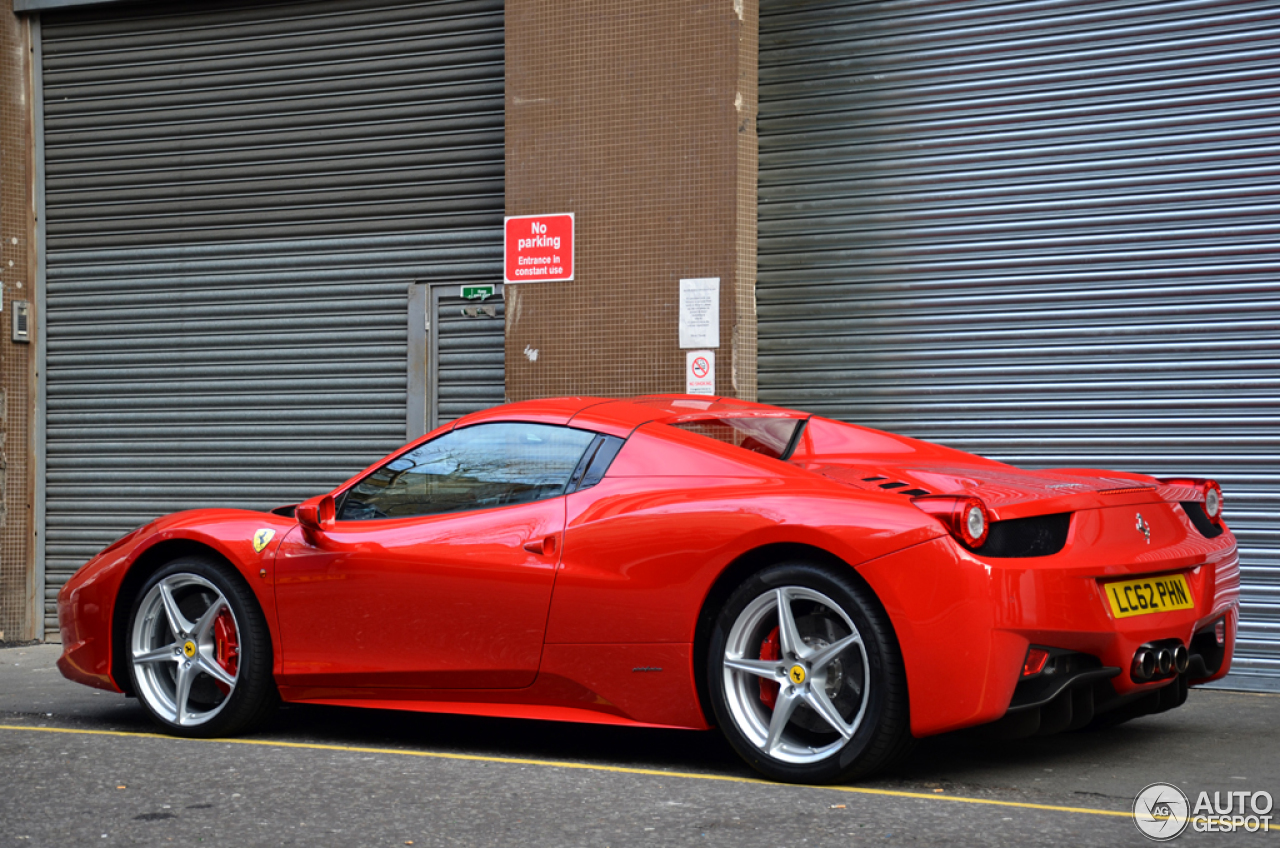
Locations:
{"points": [[226, 648], [769, 650]]}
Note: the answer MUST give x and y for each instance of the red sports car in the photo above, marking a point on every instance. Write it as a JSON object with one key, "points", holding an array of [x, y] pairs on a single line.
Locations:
{"points": [[822, 592]]}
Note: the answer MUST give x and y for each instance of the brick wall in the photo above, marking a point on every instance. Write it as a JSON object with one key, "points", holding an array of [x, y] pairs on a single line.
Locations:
{"points": [[640, 119], [17, 271]]}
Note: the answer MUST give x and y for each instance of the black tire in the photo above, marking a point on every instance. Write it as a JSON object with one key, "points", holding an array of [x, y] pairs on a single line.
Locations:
{"points": [[209, 672], [865, 685]]}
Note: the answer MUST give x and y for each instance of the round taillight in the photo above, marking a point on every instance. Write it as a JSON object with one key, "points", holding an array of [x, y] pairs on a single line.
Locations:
{"points": [[964, 516], [1213, 502], [975, 523]]}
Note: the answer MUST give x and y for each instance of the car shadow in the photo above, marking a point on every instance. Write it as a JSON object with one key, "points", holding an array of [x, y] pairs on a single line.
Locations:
{"points": [[630, 747], [966, 759], [971, 757]]}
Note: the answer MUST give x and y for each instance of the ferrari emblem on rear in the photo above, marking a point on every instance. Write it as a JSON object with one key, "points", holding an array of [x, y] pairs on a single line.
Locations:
{"points": [[262, 538], [189, 649], [1144, 528], [797, 674]]}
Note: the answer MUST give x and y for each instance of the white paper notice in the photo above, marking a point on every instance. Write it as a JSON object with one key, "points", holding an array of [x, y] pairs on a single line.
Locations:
{"points": [[700, 313], [700, 372]]}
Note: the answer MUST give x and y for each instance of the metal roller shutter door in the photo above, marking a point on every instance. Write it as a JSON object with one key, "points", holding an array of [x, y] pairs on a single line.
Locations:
{"points": [[236, 197], [1041, 231]]}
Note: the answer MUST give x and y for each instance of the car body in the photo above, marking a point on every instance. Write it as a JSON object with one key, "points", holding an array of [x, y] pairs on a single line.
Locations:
{"points": [[677, 561]]}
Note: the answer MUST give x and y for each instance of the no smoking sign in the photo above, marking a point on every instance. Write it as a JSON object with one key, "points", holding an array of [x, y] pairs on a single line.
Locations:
{"points": [[700, 372]]}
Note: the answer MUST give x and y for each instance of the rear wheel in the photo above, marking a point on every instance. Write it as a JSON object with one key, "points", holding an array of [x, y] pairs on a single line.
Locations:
{"points": [[200, 652], [805, 676]]}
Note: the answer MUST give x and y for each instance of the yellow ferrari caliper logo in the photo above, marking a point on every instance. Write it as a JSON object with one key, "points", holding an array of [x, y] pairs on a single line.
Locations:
{"points": [[189, 649], [797, 674], [262, 538]]}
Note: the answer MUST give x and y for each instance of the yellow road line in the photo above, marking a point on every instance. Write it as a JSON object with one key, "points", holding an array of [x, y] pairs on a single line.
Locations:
{"points": [[857, 790]]}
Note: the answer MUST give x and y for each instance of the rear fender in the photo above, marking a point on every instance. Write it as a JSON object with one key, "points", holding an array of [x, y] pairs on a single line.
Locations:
{"points": [[942, 611]]}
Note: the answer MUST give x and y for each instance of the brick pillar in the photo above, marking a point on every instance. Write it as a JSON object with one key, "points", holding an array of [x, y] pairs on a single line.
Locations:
{"points": [[19, 596], [640, 119]]}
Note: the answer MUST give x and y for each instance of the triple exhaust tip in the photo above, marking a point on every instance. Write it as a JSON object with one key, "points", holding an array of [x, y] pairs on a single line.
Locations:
{"points": [[1152, 662]]}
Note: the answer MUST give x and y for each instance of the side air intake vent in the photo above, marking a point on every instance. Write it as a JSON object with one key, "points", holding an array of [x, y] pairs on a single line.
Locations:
{"points": [[1039, 535]]}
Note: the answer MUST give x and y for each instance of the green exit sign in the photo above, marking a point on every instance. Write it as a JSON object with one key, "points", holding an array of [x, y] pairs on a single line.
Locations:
{"points": [[477, 292]]}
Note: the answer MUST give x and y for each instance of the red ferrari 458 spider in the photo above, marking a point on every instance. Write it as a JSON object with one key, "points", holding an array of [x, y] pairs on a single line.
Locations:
{"points": [[824, 593]]}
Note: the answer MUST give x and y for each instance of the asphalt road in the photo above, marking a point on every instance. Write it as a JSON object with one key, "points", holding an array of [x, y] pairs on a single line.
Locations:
{"points": [[80, 767]]}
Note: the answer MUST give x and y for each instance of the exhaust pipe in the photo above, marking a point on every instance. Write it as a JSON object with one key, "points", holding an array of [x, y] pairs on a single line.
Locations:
{"points": [[1144, 664], [1155, 662], [1181, 659]]}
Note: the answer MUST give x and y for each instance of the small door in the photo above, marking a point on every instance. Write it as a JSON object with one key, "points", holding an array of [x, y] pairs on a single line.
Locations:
{"points": [[438, 571], [457, 350]]}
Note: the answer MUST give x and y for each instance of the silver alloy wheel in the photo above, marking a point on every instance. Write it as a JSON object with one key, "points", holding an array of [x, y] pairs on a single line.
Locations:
{"points": [[173, 655], [810, 672]]}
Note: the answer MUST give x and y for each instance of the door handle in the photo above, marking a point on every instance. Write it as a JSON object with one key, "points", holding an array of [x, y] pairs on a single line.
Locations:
{"points": [[545, 546]]}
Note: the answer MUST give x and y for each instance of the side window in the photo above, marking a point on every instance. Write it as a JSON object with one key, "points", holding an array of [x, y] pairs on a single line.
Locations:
{"points": [[773, 437], [476, 467]]}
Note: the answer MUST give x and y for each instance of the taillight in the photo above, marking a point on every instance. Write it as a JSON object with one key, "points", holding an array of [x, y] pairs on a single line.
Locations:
{"points": [[965, 516], [1035, 662], [1210, 493], [1213, 501]]}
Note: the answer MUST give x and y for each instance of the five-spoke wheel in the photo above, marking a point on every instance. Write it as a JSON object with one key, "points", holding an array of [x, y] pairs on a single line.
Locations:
{"points": [[805, 676], [198, 650]]}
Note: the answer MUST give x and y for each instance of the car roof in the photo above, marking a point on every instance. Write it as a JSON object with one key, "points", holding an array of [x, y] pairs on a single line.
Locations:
{"points": [[620, 416]]}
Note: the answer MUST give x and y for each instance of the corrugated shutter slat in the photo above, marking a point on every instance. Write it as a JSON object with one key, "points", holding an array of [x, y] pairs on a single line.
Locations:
{"points": [[237, 197], [1041, 231]]}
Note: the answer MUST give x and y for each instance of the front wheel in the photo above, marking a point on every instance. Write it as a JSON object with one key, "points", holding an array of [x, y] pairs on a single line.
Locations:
{"points": [[200, 651], [805, 676]]}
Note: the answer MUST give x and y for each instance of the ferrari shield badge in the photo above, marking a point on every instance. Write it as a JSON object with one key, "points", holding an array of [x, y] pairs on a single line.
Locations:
{"points": [[262, 538]]}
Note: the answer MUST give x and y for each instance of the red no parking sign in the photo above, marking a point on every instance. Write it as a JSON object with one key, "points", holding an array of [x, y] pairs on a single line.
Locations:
{"points": [[538, 248]]}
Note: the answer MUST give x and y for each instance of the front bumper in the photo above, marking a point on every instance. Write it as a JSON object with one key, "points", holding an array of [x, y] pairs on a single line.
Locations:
{"points": [[85, 621]]}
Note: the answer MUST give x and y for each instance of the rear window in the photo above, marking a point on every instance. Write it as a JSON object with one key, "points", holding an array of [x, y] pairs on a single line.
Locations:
{"points": [[773, 437]]}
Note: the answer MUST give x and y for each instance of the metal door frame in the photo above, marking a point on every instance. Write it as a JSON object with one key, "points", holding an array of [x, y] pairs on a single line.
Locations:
{"points": [[423, 373], [39, 384]]}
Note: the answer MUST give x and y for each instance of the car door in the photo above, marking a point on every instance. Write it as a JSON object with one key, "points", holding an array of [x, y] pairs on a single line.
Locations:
{"points": [[437, 572]]}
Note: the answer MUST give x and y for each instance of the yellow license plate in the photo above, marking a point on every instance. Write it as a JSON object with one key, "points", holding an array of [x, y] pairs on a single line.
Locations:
{"points": [[1148, 595]]}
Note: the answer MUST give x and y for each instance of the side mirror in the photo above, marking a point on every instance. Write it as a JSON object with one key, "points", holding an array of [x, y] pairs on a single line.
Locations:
{"points": [[316, 515]]}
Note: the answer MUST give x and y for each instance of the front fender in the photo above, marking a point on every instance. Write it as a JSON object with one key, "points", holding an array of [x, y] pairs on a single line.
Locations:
{"points": [[93, 604]]}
